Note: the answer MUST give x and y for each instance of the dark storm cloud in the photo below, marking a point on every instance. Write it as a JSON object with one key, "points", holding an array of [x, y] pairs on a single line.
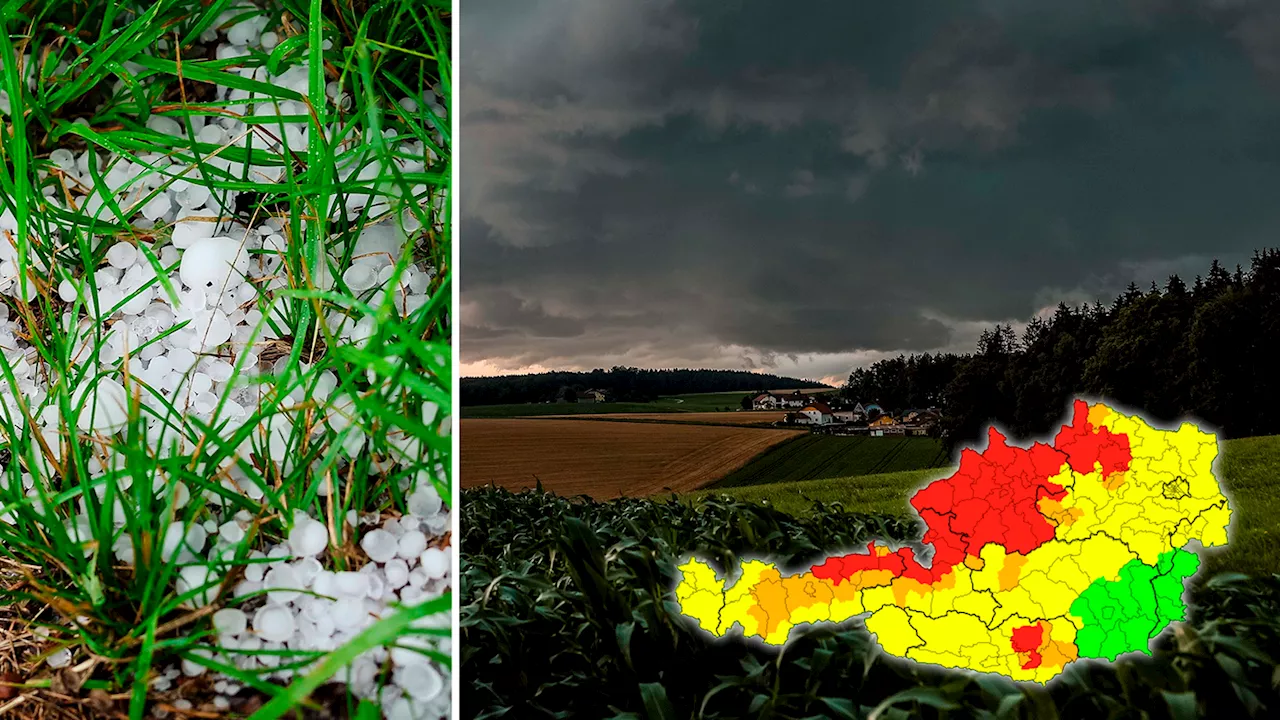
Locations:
{"points": [[721, 183]]}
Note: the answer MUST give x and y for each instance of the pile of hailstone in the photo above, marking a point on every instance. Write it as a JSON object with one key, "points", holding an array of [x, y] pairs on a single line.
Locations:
{"points": [[225, 273], [299, 605]]}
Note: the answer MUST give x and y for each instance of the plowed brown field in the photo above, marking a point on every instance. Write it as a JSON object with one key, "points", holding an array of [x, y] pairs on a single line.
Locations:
{"points": [[722, 418], [605, 459]]}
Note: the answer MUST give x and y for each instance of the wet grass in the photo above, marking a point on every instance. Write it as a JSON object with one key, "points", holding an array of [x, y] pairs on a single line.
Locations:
{"points": [[62, 589]]}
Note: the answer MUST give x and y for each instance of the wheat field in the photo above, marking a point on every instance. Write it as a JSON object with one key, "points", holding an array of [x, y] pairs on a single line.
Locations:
{"points": [[606, 459]]}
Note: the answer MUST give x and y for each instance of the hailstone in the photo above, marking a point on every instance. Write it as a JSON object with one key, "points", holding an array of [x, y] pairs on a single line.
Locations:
{"points": [[214, 263]]}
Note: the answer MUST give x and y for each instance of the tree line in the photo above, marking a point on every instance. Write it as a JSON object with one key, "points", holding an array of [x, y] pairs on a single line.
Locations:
{"points": [[621, 384], [1208, 351]]}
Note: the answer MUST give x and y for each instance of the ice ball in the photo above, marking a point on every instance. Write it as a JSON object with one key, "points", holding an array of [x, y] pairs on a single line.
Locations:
{"points": [[106, 407], [230, 621], [187, 232], [212, 328], [435, 563], [214, 263], [424, 501], [412, 544], [308, 537], [397, 573], [283, 584], [380, 545], [351, 584], [419, 680], [122, 255], [192, 577], [360, 277], [59, 659], [274, 623]]}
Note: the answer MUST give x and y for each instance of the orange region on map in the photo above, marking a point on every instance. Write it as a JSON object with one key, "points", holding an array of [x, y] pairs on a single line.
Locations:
{"points": [[1018, 535]]}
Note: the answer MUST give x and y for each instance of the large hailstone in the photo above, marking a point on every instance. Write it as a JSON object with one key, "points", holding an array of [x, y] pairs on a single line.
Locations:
{"points": [[214, 263], [106, 407], [274, 623], [308, 537], [380, 545]]}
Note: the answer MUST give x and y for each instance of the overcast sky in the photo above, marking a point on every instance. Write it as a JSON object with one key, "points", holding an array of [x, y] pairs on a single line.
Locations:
{"points": [[749, 184]]}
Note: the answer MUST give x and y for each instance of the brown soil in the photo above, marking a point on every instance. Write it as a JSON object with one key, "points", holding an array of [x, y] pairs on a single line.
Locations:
{"points": [[755, 417], [606, 459]]}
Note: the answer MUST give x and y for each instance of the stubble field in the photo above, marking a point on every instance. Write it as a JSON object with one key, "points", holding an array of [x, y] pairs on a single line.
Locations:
{"points": [[754, 417], [606, 459]]}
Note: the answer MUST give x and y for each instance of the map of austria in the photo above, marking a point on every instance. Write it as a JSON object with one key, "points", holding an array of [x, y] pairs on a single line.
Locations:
{"points": [[1041, 556]]}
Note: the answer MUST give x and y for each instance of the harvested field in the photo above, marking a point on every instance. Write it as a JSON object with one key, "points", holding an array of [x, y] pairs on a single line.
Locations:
{"points": [[717, 418], [606, 459]]}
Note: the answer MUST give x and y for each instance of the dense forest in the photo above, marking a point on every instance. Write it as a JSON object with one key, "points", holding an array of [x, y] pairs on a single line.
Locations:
{"points": [[621, 384], [1208, 351]]}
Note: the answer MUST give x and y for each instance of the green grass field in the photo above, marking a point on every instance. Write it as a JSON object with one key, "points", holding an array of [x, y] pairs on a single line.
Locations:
{"points": [[537, 409], [884, 493], [1250, 467], [823, 457], [703, 402]]}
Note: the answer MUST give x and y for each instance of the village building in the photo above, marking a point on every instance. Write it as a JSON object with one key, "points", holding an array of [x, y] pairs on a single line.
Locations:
{"points": [[815, 413], [883, 426], [764, 401], [773, 401], [846, 416], [795, 399]]}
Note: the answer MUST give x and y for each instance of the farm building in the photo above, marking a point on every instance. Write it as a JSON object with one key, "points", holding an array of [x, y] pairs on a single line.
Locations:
{"points": [[795, 399], [917, 415], [846, 416], [815, 413], [764, 401], [770, 401], [888, 430], [591, 396], [884, 426]]}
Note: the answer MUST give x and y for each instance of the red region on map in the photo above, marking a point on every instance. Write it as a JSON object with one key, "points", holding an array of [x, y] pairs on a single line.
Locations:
{"points": [[1027, 639], [993, 497]]}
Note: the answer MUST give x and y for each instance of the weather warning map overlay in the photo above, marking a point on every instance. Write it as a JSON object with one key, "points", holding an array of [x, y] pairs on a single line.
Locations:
{"points": [[1041, 556]]}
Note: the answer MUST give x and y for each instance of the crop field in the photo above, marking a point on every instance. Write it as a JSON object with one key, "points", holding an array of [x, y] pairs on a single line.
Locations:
{"points": [[815, 457], [605, 459], [882, 493], [762, 417]]}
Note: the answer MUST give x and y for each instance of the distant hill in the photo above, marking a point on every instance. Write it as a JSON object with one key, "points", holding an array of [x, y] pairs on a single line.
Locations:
{"points": [[620, 384]]}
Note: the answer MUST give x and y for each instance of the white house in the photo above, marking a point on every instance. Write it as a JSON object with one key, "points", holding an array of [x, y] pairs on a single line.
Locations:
{"points": [[815, 413], [796, 399], [846, 416], [764, 401]]}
